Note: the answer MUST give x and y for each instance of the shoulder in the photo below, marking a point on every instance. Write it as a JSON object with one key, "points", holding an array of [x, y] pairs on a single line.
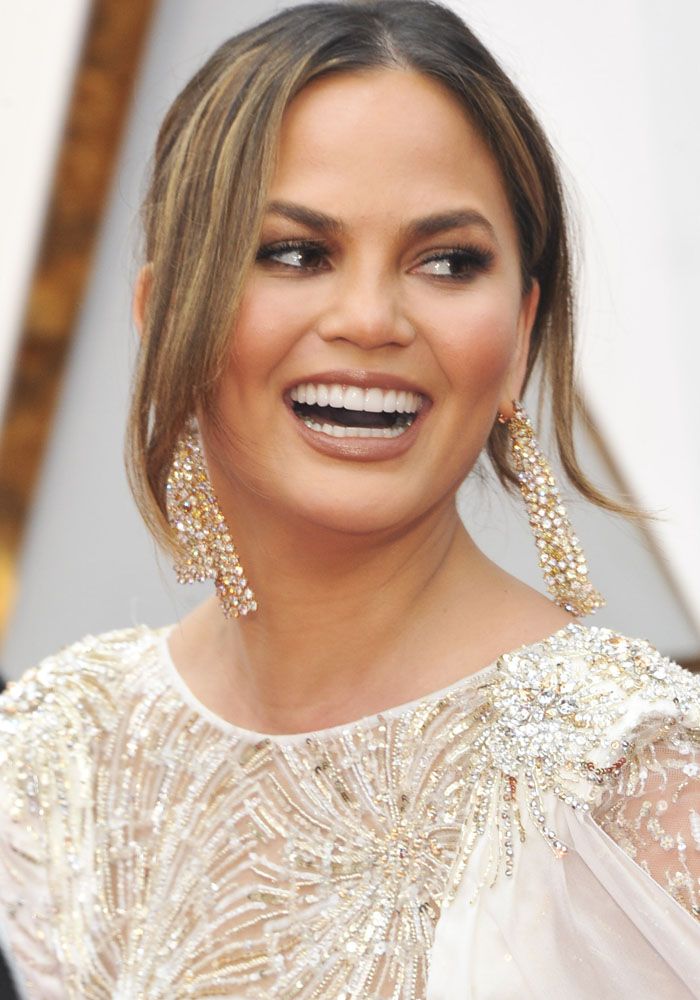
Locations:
{"points": [[578, 702], [76, 690], [562, 717], [54, 721]]}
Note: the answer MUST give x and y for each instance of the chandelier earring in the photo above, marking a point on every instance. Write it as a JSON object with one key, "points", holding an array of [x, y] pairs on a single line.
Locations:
{"points": [[560, 554], [205, 546]]}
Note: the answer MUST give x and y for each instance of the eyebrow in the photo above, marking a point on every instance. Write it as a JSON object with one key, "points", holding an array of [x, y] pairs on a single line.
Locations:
{"points": [[306, 217], [429, 225]]}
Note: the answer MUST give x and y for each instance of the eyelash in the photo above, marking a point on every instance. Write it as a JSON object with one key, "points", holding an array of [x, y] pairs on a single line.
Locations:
{"points": [[478, 259], [268, 252]]}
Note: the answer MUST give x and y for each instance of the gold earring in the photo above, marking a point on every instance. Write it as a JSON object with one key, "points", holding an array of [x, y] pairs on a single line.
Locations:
{"points": [[207, 552], [561, 557]]}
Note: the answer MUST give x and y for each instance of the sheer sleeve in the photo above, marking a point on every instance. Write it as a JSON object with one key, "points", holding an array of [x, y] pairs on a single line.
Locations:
{"points": [[25, 908], [27, 916], [653, 813], [45, 832]]}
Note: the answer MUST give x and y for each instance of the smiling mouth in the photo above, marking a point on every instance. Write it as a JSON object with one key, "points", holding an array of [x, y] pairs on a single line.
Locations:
{"points": [[351, 411]]}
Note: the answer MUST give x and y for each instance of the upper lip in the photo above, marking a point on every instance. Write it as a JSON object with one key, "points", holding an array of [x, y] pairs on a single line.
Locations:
{"points": [[360, 377]]}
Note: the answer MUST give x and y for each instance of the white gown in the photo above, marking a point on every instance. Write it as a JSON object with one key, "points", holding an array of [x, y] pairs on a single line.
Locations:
{"points": [[530, 832]]}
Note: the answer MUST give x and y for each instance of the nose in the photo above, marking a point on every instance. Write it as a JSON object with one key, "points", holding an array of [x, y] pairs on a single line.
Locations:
{"points": [[364, 308]]}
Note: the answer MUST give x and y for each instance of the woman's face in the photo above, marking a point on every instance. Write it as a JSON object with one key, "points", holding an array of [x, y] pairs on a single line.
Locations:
{"points": [[387, 280]]}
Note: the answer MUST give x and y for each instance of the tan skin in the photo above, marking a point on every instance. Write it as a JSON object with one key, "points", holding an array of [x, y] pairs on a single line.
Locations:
{"points": [[371, 591]]}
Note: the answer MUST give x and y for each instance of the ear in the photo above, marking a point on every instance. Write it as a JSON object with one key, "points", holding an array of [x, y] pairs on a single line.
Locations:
{"points": [[516, 375], [142, 291]]}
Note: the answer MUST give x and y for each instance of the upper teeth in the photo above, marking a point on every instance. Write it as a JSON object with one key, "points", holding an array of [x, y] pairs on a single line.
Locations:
{"points": [[352, 397]]}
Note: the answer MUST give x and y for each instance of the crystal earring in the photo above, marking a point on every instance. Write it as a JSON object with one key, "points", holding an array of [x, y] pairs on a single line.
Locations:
{"points": [[206, 549], [561, 557]]}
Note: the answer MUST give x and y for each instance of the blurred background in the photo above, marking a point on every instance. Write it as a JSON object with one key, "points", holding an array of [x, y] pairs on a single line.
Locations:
{"points": [[83, 88]]}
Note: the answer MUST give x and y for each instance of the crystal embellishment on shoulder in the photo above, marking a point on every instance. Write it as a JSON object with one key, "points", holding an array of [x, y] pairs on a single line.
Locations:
{"points": [[564, 713]]}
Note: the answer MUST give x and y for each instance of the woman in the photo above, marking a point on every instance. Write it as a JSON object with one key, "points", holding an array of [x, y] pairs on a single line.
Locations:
{"points": [[373, 764]]}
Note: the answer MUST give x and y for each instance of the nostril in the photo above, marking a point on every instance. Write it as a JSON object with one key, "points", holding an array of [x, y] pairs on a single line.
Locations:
{"points": [[366, 327]]}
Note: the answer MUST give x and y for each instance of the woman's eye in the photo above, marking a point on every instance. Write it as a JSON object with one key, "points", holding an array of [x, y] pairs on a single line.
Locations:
{"points": [[459, 263], [294, 255]]}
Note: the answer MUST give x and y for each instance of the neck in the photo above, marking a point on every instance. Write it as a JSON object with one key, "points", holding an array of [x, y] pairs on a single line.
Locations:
{"points": [[345, 624]]}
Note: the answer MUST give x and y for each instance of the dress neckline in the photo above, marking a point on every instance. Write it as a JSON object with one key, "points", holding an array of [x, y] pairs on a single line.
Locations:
{"points": [[473, 679]]}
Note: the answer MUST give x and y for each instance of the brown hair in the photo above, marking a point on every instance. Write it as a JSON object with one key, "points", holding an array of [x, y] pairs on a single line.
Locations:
{"points": [[213, 164]]}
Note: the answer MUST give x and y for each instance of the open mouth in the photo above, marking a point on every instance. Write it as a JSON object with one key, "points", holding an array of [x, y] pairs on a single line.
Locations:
{"points": [[351, 411]]}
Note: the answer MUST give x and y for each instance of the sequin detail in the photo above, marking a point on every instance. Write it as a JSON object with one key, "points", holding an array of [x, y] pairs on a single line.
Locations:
{"points": [[652, 812], [182, 860]]}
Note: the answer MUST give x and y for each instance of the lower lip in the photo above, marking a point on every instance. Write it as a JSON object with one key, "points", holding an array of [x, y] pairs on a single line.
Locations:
{"points": [[362, 449]]}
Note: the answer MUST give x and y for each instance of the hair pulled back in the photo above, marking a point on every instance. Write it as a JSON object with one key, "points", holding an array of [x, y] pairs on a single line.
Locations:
{"points": [[213, 164]]}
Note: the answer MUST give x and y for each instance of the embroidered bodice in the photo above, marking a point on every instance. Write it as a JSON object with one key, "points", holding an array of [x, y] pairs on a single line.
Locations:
{"points": [[149, 849]]}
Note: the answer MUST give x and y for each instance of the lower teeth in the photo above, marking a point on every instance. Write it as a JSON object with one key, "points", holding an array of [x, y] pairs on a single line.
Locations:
{"points": [[336, 430]]}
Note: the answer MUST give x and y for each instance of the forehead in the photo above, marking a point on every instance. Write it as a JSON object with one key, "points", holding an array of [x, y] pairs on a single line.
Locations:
{"points": [[382, 141]]}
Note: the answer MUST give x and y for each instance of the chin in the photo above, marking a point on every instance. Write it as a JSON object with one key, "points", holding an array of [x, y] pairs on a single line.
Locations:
{"points": [[357, 516]]}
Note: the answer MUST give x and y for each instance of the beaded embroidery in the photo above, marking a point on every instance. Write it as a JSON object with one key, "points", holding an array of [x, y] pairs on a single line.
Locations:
{"points": [[184, 859]]}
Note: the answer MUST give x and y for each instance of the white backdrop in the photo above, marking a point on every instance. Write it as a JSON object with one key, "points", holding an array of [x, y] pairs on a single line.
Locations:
{"points": [[617, 91], [33, 104]]}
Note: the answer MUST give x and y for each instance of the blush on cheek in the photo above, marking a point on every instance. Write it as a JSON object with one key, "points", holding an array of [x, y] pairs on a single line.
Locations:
{"points": [[269, 323], [481, 354]]}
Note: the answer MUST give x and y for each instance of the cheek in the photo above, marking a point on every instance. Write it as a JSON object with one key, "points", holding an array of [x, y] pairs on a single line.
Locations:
{"points": [[476, 348], [261, 338]]}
